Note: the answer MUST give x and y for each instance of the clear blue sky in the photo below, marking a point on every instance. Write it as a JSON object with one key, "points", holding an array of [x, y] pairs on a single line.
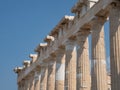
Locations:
{"points": [[23, 25]]}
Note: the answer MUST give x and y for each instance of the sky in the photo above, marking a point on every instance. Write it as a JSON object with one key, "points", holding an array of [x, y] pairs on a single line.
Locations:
{"points": [[23, 25]]}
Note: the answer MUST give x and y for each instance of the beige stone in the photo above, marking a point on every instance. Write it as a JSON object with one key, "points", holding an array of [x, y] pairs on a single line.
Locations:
{"points": [[43, 82], [32, 81], [51, 74], [115, 45], [70, 65], [83, 62], [60, 69], [69, 27], [99, 73], [37, 79]]}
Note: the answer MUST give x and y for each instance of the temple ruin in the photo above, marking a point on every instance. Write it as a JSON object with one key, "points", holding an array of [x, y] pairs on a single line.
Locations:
{"points": [[63, 61]]}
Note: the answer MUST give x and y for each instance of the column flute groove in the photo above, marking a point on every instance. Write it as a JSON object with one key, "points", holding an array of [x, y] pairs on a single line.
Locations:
{"points": [[115, 45], [37, 79], [83, 63], [60, 69], [70, 65], [99, 72], [44, 73], [51, 74], [32, 81]]}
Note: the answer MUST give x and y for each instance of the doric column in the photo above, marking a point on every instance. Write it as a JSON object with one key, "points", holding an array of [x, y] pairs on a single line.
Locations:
{"points": [[19, 86], [31, 81], [44, 73], [51, 74], [99, 73], [115, 45], [27, 83], [70, 65], [37, 79], [60, 70], [83, 62], [22, 85]]}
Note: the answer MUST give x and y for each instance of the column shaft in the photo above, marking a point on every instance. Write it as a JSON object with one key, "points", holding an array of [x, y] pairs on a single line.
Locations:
{"points": [[99, 73], [70, 65], [60, 70], [37, 80], [44, 73], [27, 84], [115, 45], [19, 86], [51, 75], [37, 85], [32, 82], [83, 63]]}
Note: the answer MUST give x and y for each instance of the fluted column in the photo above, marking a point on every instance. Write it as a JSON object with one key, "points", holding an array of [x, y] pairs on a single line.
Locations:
{"points": [[37, 80], [19, 86], [83, 62], [32, 81], [51, 74], [44, 73], [70, 65], [99, 73], [115, 45], [22, 85], [27, 83], [60, 70]]}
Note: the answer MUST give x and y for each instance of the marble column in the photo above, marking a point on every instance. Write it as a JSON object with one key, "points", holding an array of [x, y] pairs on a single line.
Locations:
{"points": [[44, 73], [83, 62], [37, 80], [99, 73], [70, 65], [19, 86], [51, 74], [31, 81], [27, 83], [115, 45], [60, 69], [23, 84]]}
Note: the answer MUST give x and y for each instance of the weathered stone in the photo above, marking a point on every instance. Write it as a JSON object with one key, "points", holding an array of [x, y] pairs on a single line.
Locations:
{"points": [[99, 73], [115, 45], [62, 76], [70, 65]]}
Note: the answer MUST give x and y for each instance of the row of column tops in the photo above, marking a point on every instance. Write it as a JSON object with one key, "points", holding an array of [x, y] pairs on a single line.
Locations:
{"points": [[41, 46], [78, 6], [55, 32], [64, 21], [48, 39], [26, 63]]}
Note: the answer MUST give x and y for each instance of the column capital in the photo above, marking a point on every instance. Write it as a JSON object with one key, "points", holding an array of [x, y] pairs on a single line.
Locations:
{"points": [[31, 74], [52, 58], [37, 75], [98, 20], [82, 36], [60, 50], [70, 42]]}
